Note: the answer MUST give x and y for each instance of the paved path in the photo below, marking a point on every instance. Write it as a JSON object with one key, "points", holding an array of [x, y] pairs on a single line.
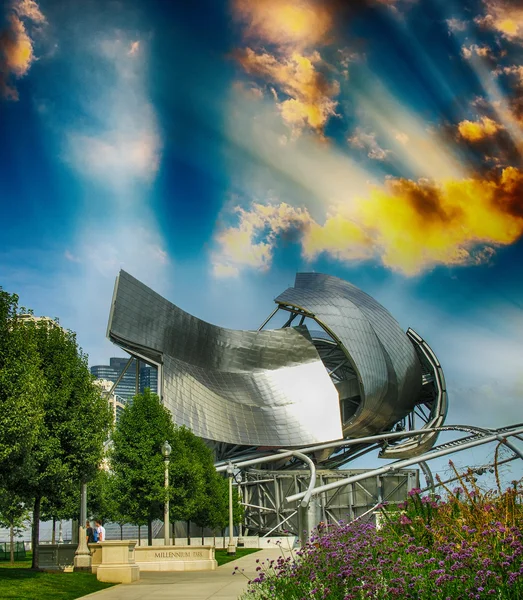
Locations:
{"points": [[202, 585]]}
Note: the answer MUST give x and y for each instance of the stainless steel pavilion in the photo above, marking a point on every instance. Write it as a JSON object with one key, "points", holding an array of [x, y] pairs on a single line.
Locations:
{"points": [[341, 367]]}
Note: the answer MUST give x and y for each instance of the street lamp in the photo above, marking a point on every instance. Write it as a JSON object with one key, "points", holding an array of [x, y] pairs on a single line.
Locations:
{"points": [[231, 548], [166, 451]]}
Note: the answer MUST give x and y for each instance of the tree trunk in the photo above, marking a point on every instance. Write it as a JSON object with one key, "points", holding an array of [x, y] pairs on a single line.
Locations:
{"points": [[12, 540], [203, 538], [188, 533], [149, 532], [121, 531], [223, 536], [174, 531], [53, 535], [139, 535], [35, 538]]}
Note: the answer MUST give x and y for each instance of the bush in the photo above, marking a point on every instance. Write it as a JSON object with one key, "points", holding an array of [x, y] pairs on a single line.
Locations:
{"points": [[468, 545]]}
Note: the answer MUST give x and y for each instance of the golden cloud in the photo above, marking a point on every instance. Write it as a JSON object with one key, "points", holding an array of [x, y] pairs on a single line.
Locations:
{"points": [[16, 46], [474, 131], [309, 100], [294, 23], [295, 70], [475, 50], [505, 17], [409, 226]]}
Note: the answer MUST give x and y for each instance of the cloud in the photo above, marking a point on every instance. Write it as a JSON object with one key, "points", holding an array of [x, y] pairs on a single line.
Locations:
{"points": [[16, 44], [456, 24], [239, 246], [505, 17], [284, 23], [409, 226], [119, 144], [367, 142], [514, 71], [474, 131], [475, 50], [402, 138], [281, 39], [309, 101], [135, 47]]}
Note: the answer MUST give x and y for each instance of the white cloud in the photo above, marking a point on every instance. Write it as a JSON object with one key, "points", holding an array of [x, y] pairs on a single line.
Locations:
{"points": [[368, 142]]}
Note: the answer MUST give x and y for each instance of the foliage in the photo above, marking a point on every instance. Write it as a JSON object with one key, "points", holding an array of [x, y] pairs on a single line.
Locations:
{"points": [[469, 545], [22, 391], [136, 459], [196, 492], [103, 501], [13, 513], [54, 419]]}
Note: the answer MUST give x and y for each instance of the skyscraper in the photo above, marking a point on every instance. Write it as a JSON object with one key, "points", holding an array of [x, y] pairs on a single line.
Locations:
{"points": [[126, 389]]}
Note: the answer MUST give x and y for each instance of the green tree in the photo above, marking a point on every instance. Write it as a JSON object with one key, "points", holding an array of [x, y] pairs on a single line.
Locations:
{"points": [[136, 459], [76, 421], [13, 513], [103, 501], [23, 392]]}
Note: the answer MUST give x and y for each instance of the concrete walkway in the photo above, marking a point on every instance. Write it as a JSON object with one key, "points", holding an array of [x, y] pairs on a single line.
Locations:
{"points": [[202, 585]]}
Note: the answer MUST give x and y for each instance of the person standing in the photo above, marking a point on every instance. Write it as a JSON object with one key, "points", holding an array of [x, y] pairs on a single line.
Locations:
{"points": [[101, 531], [89, 533]]}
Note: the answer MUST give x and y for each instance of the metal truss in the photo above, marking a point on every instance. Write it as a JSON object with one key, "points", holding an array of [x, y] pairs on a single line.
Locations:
{"points": [[271, 497]]}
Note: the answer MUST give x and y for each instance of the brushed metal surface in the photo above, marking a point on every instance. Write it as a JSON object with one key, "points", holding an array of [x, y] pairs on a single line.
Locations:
{"points": [[265, 388], [384, 359]]}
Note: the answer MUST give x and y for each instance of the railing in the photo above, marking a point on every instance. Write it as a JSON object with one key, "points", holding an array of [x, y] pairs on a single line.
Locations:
{"points": [[5, 550]]}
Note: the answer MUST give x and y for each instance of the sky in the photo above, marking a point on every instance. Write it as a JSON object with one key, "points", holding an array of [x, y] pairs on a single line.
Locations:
{"points": [[215, 148]]}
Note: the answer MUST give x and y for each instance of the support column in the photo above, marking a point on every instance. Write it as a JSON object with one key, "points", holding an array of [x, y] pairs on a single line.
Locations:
{"points": [[308, 519]]}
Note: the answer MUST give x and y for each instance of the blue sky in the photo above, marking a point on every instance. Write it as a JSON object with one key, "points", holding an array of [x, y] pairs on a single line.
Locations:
{"points": [[215, 149]]}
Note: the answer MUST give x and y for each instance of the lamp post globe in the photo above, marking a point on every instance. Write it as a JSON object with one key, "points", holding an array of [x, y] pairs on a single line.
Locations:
{"points": [[166, 451]]}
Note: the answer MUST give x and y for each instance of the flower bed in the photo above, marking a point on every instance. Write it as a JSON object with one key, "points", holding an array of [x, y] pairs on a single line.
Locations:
{"points": [[468, 545]]}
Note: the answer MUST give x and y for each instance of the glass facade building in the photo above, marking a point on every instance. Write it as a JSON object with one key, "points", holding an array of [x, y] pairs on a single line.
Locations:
{"points": [[126, 389]]}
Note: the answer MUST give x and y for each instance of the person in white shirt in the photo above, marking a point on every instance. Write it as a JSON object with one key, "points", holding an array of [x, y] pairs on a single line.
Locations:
{"points": [[101, 531]]}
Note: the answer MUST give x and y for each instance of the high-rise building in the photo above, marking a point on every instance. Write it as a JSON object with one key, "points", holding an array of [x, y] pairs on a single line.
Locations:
{"points": [[126, 389]]}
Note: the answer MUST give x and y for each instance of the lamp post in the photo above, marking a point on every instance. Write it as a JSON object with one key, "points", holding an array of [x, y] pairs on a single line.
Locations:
{"points": [[231, 548], [166, 451]]}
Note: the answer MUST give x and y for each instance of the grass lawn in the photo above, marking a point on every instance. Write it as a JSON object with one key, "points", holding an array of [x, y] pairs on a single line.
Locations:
{"points": [[20, 582], [223, 558]]}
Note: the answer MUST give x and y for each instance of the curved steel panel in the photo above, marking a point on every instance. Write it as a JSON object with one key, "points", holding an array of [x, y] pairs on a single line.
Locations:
{"points": [[265, 388], [388, 369]]}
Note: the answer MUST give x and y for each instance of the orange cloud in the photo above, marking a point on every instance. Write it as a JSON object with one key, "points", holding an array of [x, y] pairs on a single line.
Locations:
{"points": [[16, 46], [409, 226], [309, 95], [294, 23], [505, 17], [475, 50], [474, 131], [295, 70]]}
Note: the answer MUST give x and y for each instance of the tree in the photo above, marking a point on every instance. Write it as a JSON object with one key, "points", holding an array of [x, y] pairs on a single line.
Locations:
{"points": [[103, 501], [138, 466], [22, 392], [72, 417], [13, 513], [136, 459], [209, 504]]}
